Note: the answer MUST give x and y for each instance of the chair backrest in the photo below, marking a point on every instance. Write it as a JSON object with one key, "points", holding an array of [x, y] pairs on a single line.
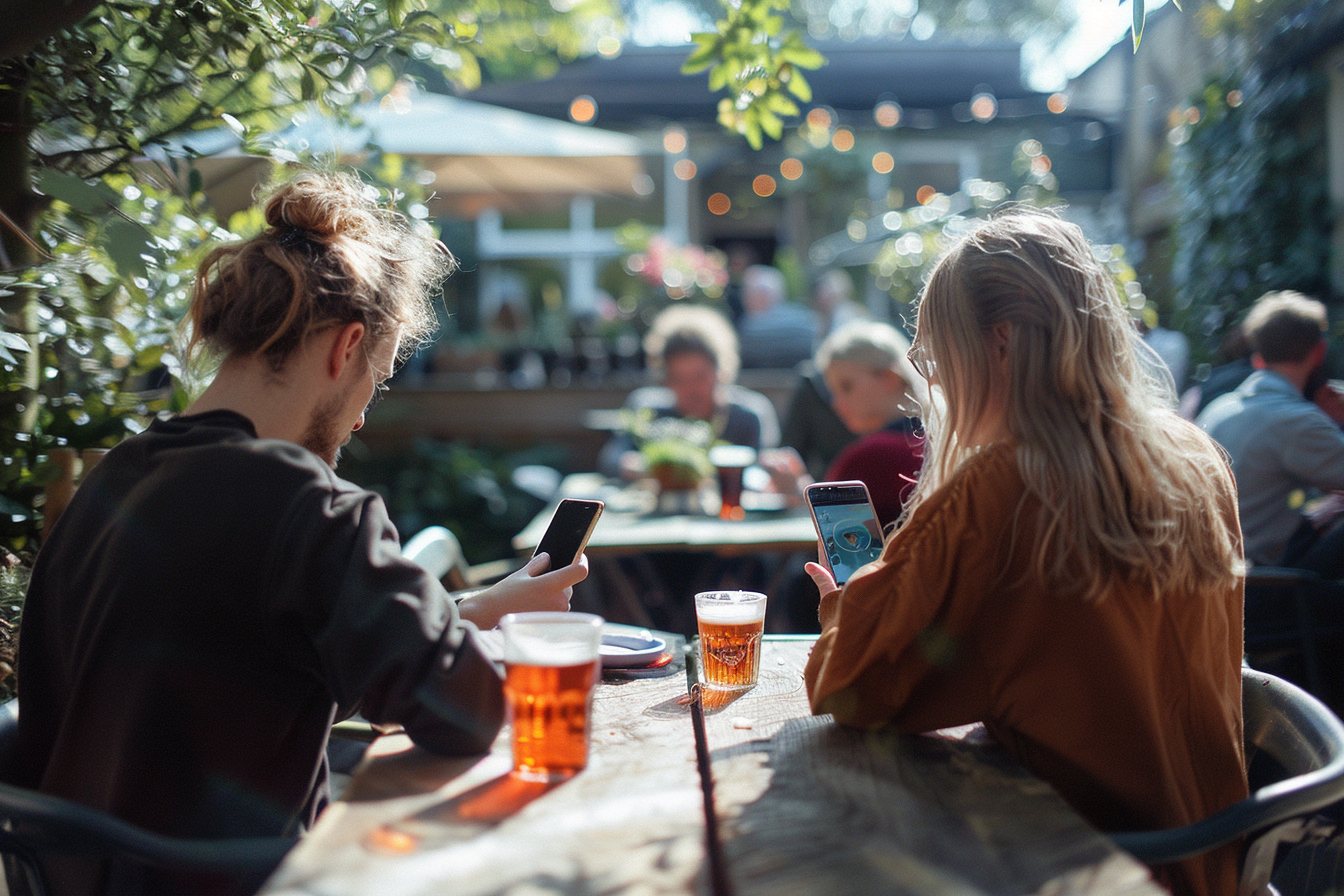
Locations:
{"points": [[437, 551], [37, 827], [1289, 630], [1295, 763]]}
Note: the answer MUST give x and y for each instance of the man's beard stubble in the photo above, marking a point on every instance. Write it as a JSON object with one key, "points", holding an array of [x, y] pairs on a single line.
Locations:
{"points": [[323, 436]]}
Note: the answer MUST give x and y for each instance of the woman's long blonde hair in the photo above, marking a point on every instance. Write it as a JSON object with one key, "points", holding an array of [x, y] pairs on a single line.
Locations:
{"points": [[1128, 491]]}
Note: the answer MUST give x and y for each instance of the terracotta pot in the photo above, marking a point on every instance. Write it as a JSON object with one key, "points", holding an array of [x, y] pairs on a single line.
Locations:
{"points": [[675, 478]]}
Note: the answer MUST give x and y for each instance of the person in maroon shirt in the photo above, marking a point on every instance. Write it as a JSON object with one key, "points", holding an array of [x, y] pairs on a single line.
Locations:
{"points": [[877, 394]]}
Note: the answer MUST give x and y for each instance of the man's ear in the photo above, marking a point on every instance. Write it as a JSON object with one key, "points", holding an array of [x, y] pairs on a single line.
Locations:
{"points": [[1257, 361], [1318, 354], [345, 346]]}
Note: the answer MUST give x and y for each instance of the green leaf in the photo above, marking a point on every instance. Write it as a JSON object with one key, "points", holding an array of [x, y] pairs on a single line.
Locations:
{"points": [[1138, 23], [780, 104], [127, 244], [15, 341], [799, 87], [149, 357], [702, 57], [718, 78], [256, 60], [422, 16], [771, 124], [307, 85], [234, 124], [802, 56], [77, 194], [753, 128]]}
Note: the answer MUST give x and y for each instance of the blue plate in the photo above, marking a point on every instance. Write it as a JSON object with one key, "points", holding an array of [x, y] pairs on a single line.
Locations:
{"points": [[629, 650]]}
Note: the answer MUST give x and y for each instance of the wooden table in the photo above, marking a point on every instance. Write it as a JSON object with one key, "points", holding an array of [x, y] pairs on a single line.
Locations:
{"points": [[801, 805], [632, 526]]}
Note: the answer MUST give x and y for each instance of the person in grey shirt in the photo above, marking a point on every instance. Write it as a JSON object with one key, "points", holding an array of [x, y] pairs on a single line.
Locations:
{"points": [[1282, 445], [774, 332]]}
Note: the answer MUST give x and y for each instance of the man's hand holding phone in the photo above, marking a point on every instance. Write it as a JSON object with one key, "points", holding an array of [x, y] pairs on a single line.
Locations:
{"points": [[547, 581]]}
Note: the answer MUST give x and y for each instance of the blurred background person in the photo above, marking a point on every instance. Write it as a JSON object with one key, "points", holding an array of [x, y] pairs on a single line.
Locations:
{"points": [[774, 332], [811, 426], [695, 349], [833, 300], [1281, 443], [1234, 356], [877, 394], [1171, 346]]}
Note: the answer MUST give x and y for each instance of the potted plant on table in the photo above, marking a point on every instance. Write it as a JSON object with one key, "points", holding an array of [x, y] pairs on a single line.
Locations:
{"points": [[675, 451]]}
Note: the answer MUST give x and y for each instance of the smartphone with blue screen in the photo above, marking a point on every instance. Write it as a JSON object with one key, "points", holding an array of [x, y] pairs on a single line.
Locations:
{"points": [[847, 525]]}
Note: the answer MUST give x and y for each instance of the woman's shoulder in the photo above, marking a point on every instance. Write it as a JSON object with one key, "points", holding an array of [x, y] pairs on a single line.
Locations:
{"points": [[980, 497]]}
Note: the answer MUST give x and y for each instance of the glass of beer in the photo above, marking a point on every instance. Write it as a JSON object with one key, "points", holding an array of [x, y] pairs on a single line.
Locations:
{"points": [[551, 662], [731, 624], [729, 462]]}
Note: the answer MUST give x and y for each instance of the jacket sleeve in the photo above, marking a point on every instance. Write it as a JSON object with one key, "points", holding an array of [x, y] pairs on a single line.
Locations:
{"points": [[383, 635], [890, 650]]}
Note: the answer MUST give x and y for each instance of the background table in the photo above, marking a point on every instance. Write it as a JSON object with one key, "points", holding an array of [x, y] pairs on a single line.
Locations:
{"points": [[802, 806], [632, 527]]}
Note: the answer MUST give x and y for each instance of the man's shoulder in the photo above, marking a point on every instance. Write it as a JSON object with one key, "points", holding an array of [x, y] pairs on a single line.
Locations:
{"points": [[222, 448], [1260, 398], [750, 400]]}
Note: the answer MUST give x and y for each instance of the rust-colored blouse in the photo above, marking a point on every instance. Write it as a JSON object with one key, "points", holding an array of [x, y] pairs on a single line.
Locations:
{"points": [[1129, 706]]}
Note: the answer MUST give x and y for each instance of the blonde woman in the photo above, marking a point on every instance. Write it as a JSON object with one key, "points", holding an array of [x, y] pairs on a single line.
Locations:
{"points": [[1067, 570], [877, 393]]}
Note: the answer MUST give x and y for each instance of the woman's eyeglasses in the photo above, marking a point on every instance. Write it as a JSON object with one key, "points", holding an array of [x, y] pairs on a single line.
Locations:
{"points": [[923, 364]]}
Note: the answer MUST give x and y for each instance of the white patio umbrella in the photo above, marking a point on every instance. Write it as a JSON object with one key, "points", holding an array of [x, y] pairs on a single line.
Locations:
{"points": [[480, 156]]}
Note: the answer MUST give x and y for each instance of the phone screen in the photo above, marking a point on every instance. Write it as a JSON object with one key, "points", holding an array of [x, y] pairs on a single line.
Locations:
{"points": [[847, 525], [568, 532]]}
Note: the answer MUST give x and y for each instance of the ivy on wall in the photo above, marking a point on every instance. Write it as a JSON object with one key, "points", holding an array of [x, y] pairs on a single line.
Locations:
{"points": [[1249, 165], [1255, 212]]}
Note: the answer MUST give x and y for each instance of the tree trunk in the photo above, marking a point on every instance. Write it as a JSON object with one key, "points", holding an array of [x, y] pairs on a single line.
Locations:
{"points": [[20, 205]]}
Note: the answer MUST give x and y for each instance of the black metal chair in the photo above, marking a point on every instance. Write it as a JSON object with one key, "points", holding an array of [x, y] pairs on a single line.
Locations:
{"points": [[1295, 762], [1288, 624], [35, 827]]}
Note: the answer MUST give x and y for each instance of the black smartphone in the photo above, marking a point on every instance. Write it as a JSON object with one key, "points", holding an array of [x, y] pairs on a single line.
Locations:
{"points": [[568, 531], [847, 525]]}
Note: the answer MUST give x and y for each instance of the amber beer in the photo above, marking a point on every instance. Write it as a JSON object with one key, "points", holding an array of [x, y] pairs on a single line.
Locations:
{"points": [[551, 661], [731, 624], [730, 462]]}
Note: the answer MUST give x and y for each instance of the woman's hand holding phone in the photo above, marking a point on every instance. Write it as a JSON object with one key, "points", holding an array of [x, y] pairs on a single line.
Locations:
{"points": [[850, 535]]}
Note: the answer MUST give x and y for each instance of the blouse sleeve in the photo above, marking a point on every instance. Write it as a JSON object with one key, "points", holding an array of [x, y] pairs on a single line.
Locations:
{"points": [[890, 650]]}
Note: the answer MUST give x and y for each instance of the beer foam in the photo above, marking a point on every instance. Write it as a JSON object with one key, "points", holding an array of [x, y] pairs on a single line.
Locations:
{"points": [[535, 648], [731, 612]]}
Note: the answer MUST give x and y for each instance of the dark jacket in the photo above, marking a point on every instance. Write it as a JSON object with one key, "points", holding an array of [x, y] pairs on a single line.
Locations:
{"points": [[203, 610]]}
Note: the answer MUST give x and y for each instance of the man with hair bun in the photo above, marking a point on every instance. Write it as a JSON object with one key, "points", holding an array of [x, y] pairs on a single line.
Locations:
{"points": [[1281, 443], [214, 597]]}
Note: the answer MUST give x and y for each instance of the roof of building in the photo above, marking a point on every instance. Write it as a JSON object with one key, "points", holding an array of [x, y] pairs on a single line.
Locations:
{"points": [[644, 86]]}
